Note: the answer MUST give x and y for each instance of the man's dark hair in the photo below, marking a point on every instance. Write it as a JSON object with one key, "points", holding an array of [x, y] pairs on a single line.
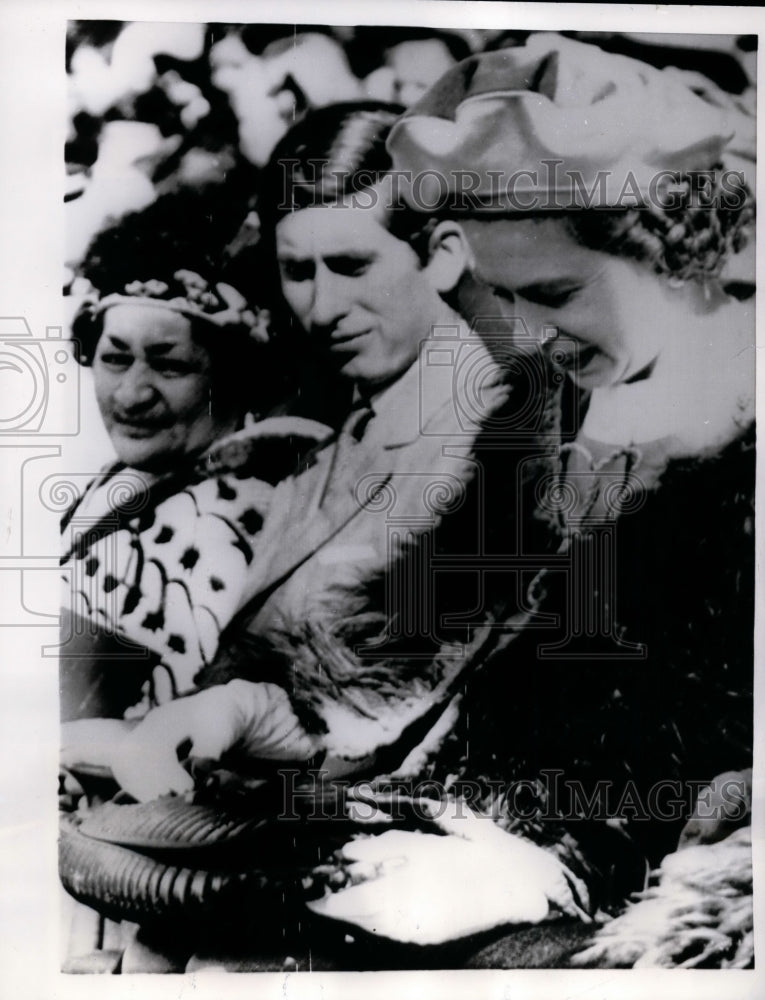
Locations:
{"points": [[334, 152]]}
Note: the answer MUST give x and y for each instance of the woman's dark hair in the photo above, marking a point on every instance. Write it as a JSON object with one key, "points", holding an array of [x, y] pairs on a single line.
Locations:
{"points": [[335, 151], [691, 239], [182, 231]]}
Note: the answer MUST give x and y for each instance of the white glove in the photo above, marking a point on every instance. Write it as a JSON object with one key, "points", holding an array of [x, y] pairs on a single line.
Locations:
{"points": [[426, 889], [255, 718], [92, 741]]}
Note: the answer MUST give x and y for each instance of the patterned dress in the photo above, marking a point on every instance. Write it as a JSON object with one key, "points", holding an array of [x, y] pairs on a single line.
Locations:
{"points": [[161, 560]]}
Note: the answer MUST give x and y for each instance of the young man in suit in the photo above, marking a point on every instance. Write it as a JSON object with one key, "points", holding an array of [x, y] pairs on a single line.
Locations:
{"points": [[369, 596], [397, 560]]}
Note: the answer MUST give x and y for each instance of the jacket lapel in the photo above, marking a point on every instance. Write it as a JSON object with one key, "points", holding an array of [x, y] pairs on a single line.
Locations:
{"points": [[299, 523]]}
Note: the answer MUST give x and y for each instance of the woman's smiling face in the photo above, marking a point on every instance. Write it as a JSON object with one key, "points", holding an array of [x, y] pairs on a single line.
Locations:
{"points": [[153, 386], [609, 311]]}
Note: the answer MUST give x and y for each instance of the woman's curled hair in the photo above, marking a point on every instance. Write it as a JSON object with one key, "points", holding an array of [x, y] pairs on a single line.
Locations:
{"points": [[691, 239]]}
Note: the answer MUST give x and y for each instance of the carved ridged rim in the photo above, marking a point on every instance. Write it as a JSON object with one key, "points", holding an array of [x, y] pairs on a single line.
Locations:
{"points": [[127, 885], [166, 824]]}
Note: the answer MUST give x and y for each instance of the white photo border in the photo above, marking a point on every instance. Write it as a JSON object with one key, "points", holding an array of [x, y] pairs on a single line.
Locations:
{"points": [[33, 115]]}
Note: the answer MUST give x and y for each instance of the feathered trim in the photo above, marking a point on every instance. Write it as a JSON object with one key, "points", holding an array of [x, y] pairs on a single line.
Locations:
{"points": [[697, 914]]}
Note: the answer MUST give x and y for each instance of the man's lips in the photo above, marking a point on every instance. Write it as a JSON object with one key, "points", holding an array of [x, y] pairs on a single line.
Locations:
{"points": [[342, 341]]}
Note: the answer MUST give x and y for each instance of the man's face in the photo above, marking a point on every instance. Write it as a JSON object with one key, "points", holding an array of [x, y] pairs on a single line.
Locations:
{"points": [[153, 386], [609, 312], [361, 294]]}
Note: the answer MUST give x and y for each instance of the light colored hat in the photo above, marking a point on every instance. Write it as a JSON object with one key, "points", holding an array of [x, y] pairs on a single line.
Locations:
{"points": [[220, 305], [555, 124]]}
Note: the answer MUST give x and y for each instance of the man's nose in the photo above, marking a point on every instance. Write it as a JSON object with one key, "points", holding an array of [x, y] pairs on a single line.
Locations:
{"points": [[329, 300], [136, 388]]}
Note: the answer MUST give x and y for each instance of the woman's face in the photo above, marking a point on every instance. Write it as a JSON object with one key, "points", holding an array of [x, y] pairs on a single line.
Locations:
{"points": [[153, 386], [611, 314]]}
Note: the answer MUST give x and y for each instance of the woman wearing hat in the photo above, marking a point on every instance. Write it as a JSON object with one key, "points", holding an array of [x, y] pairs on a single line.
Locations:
{"points": [[607, 207], [605, 203], [157, 547]]}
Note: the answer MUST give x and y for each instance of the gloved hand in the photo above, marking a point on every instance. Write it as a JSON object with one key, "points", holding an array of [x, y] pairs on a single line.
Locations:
{"points": [[256, 719], [426, 888], [92, 741]]}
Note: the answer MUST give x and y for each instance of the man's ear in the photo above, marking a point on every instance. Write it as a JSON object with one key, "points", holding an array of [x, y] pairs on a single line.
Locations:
{"points": [[449, 256]]}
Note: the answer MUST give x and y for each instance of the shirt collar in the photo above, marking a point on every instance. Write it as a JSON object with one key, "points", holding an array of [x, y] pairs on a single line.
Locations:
{"points": [[403, 408]]}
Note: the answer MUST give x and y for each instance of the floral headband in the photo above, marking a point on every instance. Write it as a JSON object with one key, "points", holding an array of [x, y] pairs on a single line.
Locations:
{"points": [[220, 305]]}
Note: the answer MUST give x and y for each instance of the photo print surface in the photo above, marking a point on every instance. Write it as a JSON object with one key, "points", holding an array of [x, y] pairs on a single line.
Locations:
{"points": [[407, 550]]}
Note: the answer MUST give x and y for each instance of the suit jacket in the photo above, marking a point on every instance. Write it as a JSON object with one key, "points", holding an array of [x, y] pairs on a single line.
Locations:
{"points": [[348, 587]]}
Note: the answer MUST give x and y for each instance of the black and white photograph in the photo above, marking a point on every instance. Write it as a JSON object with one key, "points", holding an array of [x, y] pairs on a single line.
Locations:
{"points": [[381, 466]]}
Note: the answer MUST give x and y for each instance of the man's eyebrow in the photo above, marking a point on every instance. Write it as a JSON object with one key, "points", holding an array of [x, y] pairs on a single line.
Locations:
{"points": [[352, 255], [287, 257]]}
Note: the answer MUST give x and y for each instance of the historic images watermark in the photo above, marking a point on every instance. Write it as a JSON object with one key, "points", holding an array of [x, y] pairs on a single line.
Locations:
{"points": [[40, 405], [517, 446], [45, 384], [547, 189], [39, 411], [550, 797]]}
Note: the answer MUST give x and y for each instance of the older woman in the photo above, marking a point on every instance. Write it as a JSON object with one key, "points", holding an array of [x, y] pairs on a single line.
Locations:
{"points": [[157, 547]]}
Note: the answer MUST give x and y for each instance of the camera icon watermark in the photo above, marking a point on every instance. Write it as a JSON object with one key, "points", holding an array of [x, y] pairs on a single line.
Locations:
{"points": [[39, 380], [498, 358]]}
